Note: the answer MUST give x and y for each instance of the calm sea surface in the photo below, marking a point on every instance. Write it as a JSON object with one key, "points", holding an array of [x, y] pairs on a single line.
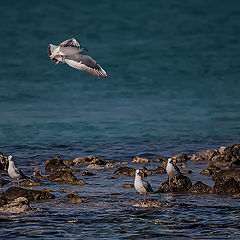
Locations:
{"points": [[173, 86]]}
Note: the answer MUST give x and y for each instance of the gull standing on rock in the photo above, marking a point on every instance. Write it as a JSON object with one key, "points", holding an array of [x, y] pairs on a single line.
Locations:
{"points": [[68, 51], [143, 187], [14, 172], [172, 170]]}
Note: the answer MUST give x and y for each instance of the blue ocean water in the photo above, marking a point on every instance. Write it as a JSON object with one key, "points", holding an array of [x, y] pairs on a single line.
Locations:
{"points": [[173, 86]]}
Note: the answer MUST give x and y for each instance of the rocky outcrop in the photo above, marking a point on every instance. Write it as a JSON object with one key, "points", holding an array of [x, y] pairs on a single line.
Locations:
{"points": [[32, 195], [62, 176], [140, 160], [204, 155], [3, 162], [56, 164], [159, 170], [179, 185], [17, 206], [128, 185], [28, 183], [223, 174], [180, 157], [91, 159], [129, 171], [226, 186], [200, 188]]}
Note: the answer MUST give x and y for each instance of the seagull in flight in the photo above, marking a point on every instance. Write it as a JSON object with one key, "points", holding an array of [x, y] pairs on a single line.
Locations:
{"points": [[14, 172], [69, 52], [172, 170], [143, 187]]}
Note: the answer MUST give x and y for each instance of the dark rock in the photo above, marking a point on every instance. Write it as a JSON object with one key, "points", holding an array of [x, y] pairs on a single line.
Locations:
{"points": [[70, 195], [160, 159], [207, 172], [3, 200], [32, 195], [145, 172], [56, 164], [140, 160], [180, 157], [223, 174], [186, 171], [125, 171], [28, 183], [204, 155], [91, 159], [3, 162], [62, 176], [128, 185], [87, 173], [159, 170], [76, 199], [226, 186], [179, 185], [200, 188]]}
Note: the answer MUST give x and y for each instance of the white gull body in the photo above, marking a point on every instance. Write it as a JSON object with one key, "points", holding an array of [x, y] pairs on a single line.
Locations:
{"points": [[69, 52], [14, 172], [143, 187], [172, 170]]}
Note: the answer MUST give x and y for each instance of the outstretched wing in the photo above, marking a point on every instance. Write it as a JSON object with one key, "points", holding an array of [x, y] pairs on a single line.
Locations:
{"points": [[86, 63], [72, 42]]}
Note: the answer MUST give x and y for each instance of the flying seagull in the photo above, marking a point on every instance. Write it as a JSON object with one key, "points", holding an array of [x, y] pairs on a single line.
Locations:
{"points": [[14, 172], [69, 52], [172, 170], [143, 187]]}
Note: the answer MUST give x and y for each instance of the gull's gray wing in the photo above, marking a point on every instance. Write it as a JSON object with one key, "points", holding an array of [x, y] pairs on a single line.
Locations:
{"points": [[176, 169], [51, 49], [86, 63], [72, 42], [147, 186]]}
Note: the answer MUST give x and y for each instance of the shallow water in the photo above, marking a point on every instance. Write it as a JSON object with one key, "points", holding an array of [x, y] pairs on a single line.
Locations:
{"points": [[173, 87]]}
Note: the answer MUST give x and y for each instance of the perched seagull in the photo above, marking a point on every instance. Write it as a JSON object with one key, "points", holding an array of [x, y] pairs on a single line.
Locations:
{"points": [[172, 170], [14, 172], [68, 51], [143, 187]]}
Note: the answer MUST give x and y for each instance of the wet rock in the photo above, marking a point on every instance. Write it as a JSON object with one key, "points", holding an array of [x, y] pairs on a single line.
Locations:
{"points": [[68, 162], [3, 200], [223, 174], [180, 157], [200, 188], [110, 165], [80, 182], [3, 162], [62, 176], [32, 195], [95, 166], [129, 171], [162, 159], [159, 170], [229, 157], [186, 171], [181, 165], [207, 172], [128, 185], [87, 173], [145, 172], [140, 160], [69, 192], [91, 159], [152, 203], [204, 155], [19, 205], [38, 175], [226, 186], [76, 199], [179, 185], [56, 164], [28, 183], [70, 195]]}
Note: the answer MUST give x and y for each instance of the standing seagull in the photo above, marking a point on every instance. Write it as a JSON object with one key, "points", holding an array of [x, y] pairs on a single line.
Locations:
{"points": [[14, 172], [68, 51], [143, 187], [172, 170]]}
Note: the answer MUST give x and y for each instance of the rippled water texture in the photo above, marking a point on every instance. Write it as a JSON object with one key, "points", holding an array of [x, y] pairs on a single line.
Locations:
{"points": [[173, 87]]}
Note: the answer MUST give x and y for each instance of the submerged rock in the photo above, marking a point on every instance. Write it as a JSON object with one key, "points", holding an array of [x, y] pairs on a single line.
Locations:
{"points": [[95, 166], [200, 188], [128, 185], [226, 186], [152, 203], [76, 199], [91, 159], [129, 171], [18, 205], [32, 195], [179, 185], [28, 183], [87, 173], [207, 172], [186, 171], [140, 160]]}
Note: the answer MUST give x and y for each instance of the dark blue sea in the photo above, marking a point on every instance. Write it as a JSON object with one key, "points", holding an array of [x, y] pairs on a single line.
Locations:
{"points": [[173, 87]]}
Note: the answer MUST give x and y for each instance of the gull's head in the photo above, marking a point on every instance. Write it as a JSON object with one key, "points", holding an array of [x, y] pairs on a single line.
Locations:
{"points": [[169, 160], [137, 171], [10, 158]]}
